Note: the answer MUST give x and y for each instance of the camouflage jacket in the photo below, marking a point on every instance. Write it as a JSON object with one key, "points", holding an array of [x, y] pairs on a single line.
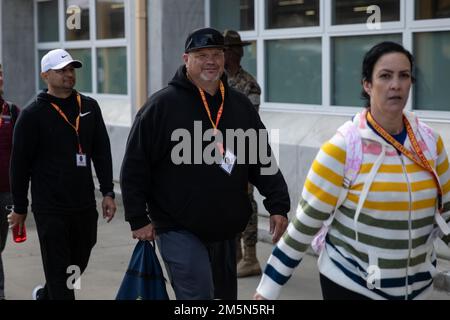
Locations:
{"points": [[244, 82]]}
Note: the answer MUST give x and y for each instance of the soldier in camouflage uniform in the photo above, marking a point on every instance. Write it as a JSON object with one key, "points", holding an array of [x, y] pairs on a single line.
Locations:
{"points": [[244, 82]]}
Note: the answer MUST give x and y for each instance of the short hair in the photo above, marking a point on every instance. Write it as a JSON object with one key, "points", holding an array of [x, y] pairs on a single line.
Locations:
{"points": [[374, 54]]}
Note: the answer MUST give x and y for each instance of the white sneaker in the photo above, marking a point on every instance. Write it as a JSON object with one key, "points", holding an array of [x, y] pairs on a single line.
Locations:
{"points": [[37, 291]]}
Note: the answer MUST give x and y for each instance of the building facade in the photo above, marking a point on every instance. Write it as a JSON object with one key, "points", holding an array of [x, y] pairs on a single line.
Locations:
{"points": [[306, 55]]}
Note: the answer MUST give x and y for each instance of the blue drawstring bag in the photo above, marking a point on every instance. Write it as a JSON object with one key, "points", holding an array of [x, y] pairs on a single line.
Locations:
{"points": [[144, 279]]}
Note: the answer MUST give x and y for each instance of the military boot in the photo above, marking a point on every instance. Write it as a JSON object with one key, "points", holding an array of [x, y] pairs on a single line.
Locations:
{"points": [[249, 265]]}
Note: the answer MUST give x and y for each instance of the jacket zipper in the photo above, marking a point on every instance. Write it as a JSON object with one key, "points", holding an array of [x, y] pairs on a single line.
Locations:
{"points": [[409, 227]]}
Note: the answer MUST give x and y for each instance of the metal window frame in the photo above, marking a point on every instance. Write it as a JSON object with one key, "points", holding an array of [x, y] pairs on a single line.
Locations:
{"points": [[407, 26], [93, 44]]}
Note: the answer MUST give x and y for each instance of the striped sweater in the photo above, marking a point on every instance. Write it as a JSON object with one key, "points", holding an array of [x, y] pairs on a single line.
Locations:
{"points": [[388, 252]]}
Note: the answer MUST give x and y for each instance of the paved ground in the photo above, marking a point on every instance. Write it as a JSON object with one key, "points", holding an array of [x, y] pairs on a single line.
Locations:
{"points": [[109, 260]]}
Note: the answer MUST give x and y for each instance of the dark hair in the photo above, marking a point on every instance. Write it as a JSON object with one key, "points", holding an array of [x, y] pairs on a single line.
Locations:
{"points": [[374, 54]]}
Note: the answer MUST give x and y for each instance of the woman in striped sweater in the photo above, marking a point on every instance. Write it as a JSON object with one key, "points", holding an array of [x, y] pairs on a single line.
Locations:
{"points": [[380, 242]]}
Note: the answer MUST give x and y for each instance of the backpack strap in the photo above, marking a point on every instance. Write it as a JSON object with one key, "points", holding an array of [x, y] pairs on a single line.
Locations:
{"points": [[354, 152], [353, 160], [13, 110], [428, 137]]}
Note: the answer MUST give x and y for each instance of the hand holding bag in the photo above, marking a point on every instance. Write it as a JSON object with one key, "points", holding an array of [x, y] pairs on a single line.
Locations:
{"points": [[144, 279]]}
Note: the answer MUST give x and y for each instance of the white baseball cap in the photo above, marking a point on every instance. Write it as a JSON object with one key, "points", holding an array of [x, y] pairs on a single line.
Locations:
{"points": [[58, 59]]}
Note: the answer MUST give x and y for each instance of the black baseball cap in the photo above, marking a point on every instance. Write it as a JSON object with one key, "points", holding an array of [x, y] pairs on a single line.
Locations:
{"points": [[204, 38]]}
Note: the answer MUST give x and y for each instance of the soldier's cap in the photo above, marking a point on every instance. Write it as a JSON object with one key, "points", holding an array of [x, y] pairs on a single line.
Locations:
{"points": [[232, 38], [204, 38]]}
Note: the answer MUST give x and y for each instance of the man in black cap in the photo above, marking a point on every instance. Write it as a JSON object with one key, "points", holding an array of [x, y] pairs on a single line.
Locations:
{"points": [[197, 207]]}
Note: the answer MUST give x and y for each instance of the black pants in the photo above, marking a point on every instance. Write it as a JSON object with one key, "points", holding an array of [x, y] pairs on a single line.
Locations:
{"points": [[333, 291], [65, 240], [223, 267]]}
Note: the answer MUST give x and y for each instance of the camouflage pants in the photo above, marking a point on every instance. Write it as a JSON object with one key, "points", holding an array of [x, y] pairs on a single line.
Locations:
{"points": [[250, 234]]}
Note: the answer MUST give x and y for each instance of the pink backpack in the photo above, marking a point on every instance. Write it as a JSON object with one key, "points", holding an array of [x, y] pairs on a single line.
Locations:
{"points": [[353, 161]]}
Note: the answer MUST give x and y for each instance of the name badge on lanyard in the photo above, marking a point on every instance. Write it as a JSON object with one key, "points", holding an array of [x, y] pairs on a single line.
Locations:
{"points": [[228, 162], [81, 160]]}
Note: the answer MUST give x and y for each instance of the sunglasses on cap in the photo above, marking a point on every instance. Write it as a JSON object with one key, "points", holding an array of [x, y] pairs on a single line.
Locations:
{"points": [[198, 41]]}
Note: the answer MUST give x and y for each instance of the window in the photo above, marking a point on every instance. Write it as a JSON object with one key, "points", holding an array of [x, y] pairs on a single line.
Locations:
{"points": [[248, 61], [100, 44], [355, 11], [432, 9], [293, 73], [432, 55], [110, 18], [112, 71], [310, 52], [47, 12], [292, 13], [233, 14], [81, 33], [347, 56]]}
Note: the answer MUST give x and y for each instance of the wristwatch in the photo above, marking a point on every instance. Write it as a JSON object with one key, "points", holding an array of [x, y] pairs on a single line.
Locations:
{"points": [[110, 194]]}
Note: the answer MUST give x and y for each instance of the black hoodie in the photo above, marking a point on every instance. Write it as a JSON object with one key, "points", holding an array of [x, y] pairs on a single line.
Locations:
{"points": [[44, 150], [201, 198]]}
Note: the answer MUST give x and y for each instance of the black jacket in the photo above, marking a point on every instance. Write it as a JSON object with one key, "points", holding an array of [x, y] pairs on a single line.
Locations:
{"points": [[199, 197], [44, 150]]}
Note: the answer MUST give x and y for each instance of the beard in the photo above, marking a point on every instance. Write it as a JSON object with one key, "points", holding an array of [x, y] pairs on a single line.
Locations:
{"points": [[206, 78]]}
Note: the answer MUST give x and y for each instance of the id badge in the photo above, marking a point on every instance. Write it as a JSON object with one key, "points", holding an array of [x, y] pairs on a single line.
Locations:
{"points": [[228, 162], [81, 160]]}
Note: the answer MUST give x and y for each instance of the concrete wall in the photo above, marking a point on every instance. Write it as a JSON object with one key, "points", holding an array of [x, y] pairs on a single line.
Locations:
{"points": [[301, 136], [17, 29]]}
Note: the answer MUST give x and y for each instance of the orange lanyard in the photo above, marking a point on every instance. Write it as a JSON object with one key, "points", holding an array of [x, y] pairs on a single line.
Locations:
{"points": [[208, 111], [76, 127], [422, 162]]}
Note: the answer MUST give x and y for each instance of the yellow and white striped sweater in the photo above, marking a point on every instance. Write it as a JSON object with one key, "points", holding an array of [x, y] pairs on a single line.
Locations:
{"points": [[394, 228]]}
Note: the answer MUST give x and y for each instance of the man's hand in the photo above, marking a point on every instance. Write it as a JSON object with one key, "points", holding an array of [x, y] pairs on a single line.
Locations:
{"points": [[16, 219], [145, 233], [109, 208], [278, 225]]}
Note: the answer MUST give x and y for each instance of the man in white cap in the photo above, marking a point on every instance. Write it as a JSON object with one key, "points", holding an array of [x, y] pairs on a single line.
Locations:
{"points": [[56, 139]]}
